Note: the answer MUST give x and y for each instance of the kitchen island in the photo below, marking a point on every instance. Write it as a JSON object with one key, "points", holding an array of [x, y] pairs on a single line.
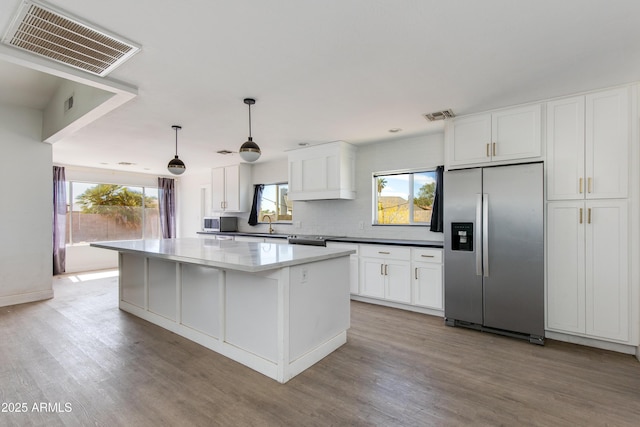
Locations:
{"points": [[276, 308]]}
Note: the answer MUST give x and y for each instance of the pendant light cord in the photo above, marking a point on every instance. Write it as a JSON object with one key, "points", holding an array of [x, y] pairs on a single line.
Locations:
{"points": [[176, 141], [249, 121]]}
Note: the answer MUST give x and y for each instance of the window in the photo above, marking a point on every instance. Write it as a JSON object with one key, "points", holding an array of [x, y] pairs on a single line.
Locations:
{"points": [[275, 203], [102, 212], [404, 198]]}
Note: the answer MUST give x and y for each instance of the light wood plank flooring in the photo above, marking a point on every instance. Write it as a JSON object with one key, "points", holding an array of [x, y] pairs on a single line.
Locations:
{"points": [[397, 369]]}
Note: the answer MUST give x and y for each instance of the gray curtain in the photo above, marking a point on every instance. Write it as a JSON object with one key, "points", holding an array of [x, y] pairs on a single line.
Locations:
{"points": [[255, 207], [437, 214], [59, 219], [167, 205]]}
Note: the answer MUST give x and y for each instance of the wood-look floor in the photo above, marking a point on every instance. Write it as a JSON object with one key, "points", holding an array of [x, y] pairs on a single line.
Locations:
{"points": [[397, 369]]}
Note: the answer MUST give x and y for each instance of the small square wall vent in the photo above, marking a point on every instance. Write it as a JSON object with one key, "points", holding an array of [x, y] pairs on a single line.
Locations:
{"points": [[439, 115], [40, 29]]}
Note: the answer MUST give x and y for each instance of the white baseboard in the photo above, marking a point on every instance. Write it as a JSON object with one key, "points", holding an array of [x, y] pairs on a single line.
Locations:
{"points": [[417, 309], [590, 342], [25, 298]]}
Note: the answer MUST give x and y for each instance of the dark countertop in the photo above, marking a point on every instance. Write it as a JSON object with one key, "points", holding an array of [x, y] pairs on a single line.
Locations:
{"points": [[364, 240]]}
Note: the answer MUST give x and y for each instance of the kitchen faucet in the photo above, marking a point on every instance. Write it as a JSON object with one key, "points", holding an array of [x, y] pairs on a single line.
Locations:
{"points": [[271, 230]]}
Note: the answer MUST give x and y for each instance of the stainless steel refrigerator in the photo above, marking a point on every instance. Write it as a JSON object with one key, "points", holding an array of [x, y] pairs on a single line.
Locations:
{"points": [[494, 250]]}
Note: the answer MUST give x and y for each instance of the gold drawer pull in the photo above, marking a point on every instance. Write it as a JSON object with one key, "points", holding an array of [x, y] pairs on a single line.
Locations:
{"points": [[428, 256], [384, 253], [488, 150]]}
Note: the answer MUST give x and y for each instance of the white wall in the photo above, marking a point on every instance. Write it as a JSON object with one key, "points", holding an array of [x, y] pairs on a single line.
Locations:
{"points": [[342, 217], [189, 201], [26, 211]]}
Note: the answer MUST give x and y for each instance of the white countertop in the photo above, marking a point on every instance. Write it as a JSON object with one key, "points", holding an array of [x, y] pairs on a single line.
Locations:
{"points": [[227, 254]]}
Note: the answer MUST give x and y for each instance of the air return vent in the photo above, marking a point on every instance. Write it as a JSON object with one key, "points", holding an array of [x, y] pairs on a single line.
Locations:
{"points": [[439, 115], [40, 29]]}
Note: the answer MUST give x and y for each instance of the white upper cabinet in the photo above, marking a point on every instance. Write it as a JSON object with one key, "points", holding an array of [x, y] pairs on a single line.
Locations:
{"points": [[320, 172], [588, 146], [504, 135], [231, 188]]}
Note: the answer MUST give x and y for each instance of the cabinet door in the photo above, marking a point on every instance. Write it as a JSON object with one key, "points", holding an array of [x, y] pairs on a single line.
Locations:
{"points": [[372, 277], [607, 144], [217, 189], [232, 188], [427, 285], [469, 139], [565, 149], [607, 282], [516, 133], [566, 266], [398, 281]]}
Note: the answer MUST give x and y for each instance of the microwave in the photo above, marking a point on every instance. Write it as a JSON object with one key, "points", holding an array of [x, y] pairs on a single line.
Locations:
{"points": [[220, 223]]}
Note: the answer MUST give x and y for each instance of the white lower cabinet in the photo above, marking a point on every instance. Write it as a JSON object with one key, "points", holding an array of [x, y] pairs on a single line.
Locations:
{"points": [[426, 265], [354, 270], [588, 290], [385, 272]]}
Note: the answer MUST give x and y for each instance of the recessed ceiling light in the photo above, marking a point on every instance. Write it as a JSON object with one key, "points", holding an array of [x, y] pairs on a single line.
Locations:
{"points": [[126, 163], [395, 130]]}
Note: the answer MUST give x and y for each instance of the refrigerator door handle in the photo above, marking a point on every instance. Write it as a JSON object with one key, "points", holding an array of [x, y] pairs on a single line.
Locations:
{"points": [[485, 234], [479, 237]]}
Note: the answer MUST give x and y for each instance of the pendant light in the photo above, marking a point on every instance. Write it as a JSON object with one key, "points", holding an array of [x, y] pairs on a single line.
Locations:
{"points": [[176, 166], [249, 151]]}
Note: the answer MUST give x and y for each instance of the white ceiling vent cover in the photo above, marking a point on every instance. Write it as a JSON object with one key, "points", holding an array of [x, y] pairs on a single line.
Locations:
{"points": [[439, 115], [45, 31]]}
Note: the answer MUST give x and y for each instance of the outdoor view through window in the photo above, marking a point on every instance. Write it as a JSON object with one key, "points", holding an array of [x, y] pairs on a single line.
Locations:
{"points": [[275, 203], [404, 198], [102, 212]]}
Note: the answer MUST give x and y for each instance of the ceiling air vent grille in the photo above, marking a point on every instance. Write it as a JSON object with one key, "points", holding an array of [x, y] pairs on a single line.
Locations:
{"points": [[46, 32], [439, 115]]}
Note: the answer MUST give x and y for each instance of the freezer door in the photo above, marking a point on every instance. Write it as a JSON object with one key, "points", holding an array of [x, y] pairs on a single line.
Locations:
{"points": [[463, 268], [514, 280]]}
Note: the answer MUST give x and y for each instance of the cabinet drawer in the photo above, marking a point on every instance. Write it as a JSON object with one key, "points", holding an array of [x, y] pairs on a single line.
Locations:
{"points": [[427, 255], [389, 252]]}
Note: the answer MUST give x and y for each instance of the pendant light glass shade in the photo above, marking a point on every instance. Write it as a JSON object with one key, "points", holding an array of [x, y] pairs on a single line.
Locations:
{"points": [[176, 166], [249, 151]]}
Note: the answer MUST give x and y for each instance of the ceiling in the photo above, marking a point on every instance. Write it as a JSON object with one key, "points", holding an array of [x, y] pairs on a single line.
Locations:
{"points": [[327, 70]]}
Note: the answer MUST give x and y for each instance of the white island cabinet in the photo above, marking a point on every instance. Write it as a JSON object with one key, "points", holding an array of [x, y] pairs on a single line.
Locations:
{"points": [[276, 308]]}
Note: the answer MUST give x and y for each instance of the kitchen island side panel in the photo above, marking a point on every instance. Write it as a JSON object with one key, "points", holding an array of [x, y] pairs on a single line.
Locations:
{"points": [[319, 304]]}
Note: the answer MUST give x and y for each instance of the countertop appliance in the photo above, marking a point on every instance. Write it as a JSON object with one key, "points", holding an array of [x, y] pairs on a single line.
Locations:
{"points": [[494, 250], [220, 223]]}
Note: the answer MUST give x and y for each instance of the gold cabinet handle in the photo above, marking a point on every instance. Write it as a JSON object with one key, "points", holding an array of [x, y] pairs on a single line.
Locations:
{"points": [[381, 271], [384, 252], [589, 216], [580, 215], [386, 269], [589, 185], [580, 185], [488, 155], [494, 148], [416, 273]]}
